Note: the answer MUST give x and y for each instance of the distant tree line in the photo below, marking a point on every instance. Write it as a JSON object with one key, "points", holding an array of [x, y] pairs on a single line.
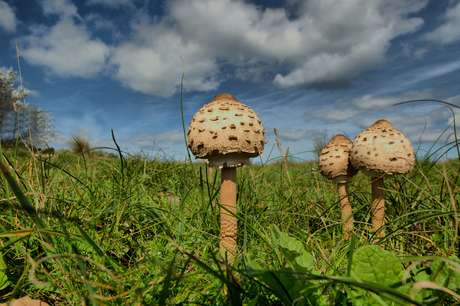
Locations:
{"points": [[20, 122]]}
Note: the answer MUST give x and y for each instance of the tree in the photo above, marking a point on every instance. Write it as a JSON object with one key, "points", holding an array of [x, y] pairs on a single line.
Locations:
{"points": [[8, 96], [19, 120]]}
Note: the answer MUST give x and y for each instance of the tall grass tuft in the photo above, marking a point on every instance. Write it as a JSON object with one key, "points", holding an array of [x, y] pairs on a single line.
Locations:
{"points": [[79, 143], [319, 141]]}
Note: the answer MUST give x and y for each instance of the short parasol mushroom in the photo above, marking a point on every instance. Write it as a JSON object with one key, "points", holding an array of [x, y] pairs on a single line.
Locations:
{"points": [[226, 133], [381, 151], [334, 164]]}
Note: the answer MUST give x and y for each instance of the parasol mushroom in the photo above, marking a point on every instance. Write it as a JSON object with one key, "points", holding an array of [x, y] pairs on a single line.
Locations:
{"points": [[381, 151], [226, 133], [334, 164]]}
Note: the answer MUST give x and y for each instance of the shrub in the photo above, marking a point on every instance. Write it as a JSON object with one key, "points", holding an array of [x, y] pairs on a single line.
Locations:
{"points": [[80, 144]]}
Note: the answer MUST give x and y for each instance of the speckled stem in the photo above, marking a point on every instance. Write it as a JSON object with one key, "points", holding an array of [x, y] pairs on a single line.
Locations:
{"points": [[378, 205], [347, 214], [228, 220]]}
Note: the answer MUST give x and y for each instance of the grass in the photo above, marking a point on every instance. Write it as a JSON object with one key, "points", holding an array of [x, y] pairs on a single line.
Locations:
{"points": [[140, 230]]}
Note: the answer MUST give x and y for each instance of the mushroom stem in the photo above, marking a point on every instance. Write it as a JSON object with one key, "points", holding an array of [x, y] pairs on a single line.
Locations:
{"points": [[347, 214], [378, 205], [228, 221], [209, 169]]}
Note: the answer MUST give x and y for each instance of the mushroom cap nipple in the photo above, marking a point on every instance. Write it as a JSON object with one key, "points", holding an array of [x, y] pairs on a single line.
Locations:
{"points": [[334, 162], [226, 133], [381, 150]]}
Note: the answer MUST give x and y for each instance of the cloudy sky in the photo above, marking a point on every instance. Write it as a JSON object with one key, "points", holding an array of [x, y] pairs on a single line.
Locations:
{"points": [[311, 69]]}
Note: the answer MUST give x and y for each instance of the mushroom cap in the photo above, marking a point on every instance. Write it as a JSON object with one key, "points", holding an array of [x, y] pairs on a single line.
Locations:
{"points": [[226, 133], [382, 150], [334, 162]]}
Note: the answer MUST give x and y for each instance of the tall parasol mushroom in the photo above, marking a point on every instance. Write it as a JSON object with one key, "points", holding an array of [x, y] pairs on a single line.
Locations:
{"points": [[334, 164], [226, 133], [381, 151]]}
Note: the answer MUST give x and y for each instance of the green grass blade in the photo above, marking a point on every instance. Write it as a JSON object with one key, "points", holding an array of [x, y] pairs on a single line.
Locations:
{"points": [[351, 250], [26, 206], [121, 160], [94, 246], [167, 282], [182, 108]]}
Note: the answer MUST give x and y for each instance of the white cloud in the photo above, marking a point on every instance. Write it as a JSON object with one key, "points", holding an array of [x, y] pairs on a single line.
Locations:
{"points": [[324, 43], [143, 139], [329, 42], [334, 114], [427, 72], [113, 3], [292, 135], [369, 104], [99, 22], [454, 100], [151, 63], [418, 54], [64, 8], [449, 31], [7, 18], [66, 48], [443, 69], [378, 101], [342, 38], [107, 143], [409, 51], [296, 135], [4, 70]]}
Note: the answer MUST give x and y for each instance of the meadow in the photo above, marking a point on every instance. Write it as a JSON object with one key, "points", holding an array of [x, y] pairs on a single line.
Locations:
{"points": [[117, 229]]}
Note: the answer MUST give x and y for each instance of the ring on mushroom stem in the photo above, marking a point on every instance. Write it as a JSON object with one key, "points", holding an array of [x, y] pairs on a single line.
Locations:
{"points": [[334, 164], [381, 151], [226, 133]]}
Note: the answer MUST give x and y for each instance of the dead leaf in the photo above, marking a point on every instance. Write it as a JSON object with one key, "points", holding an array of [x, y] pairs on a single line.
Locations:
{"points": [[25, 301]]}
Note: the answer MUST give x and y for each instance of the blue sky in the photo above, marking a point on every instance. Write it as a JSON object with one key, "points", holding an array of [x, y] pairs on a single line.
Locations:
{"points": [[308, 68]]}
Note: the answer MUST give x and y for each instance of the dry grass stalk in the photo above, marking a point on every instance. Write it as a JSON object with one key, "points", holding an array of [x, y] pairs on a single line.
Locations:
{"points": [[285, 156]]}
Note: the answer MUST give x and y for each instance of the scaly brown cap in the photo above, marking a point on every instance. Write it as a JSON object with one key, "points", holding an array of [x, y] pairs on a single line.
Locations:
{"points": [[334, 162], [226, 133], [382, 150]]}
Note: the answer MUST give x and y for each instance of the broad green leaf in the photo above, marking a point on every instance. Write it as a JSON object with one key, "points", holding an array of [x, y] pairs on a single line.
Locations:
{"points": [[447, 277], [287, 283], [294, 252], [283, 283], [374, 265], [3, 279], [441, 273]]}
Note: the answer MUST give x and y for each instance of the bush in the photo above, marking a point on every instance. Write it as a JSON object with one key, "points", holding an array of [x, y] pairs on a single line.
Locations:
{"points": [[80, 144]]}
